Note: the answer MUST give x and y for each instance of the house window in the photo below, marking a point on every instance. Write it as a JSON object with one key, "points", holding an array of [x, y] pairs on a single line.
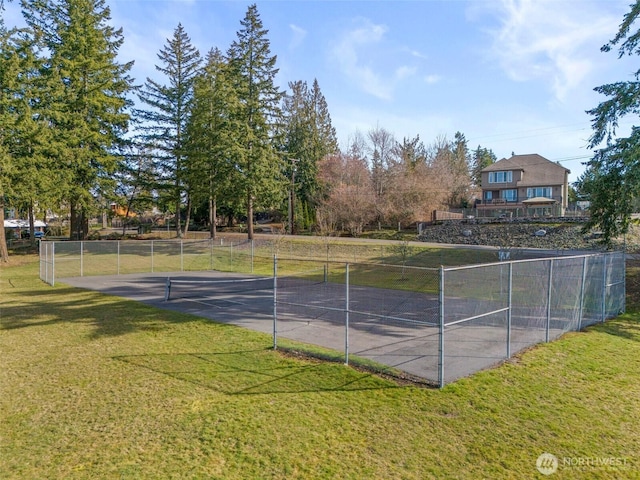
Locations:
{"points": [[488, 195], [510, 195], [539, 192], [500, 177]]}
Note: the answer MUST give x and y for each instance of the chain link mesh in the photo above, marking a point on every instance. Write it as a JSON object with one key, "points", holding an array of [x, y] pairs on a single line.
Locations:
{"points": [[374, 305]]}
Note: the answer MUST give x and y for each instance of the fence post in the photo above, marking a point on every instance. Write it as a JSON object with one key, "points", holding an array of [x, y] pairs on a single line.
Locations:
{"points": [[624, 276], [151, 256], [118, 258], [584, 280], [252, 255], [181, 255], [441, 336], [604, 287], [82, 259], [53, 264], [549, 287], [275, 302], [346, 318], [510, 303], [49, 261], [42, 252]]}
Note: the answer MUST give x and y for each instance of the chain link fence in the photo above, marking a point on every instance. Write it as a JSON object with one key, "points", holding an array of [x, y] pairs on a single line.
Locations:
{"points": [[374, 307], [491, 312]]}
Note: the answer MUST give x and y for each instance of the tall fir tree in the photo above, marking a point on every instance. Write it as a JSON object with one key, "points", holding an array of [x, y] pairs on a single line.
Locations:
{"points": [[308, 137], [611, 181], [8, 73], [253, 75], [164, 124], [31, 143], [214, 137], [86, 97], [28, 179], [460, 171]]}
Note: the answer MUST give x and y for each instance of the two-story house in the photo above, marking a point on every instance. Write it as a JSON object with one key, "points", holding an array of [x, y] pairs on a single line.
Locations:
{"points": [[524, 185]]}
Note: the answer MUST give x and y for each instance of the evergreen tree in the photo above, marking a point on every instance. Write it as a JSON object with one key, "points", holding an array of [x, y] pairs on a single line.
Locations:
{"points": [[27, 176], [86, 96], [164, 123], [8, 72], [612, 179], [32, 144], [253, 75], [460, 171], [481, 159], [411, 152], [327, 138], [135, 182], [214, 137], [308, 137]]}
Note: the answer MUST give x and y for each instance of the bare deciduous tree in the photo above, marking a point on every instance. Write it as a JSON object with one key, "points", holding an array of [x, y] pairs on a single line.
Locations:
{"points": [[349, 200]]}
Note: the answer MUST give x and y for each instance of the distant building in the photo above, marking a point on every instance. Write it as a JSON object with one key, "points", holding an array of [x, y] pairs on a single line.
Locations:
{"points": [[526, 185], [17, 228]]}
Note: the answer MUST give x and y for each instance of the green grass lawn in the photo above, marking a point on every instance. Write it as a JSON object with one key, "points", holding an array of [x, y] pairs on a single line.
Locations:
{"points": [[95, 387]]}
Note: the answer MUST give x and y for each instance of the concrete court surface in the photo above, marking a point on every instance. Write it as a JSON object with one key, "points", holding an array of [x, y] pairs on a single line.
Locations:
{"points": [[412, 348]]}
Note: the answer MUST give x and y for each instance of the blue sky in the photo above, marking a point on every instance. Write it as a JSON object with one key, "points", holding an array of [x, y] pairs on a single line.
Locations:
{"points": [[511, 75]]}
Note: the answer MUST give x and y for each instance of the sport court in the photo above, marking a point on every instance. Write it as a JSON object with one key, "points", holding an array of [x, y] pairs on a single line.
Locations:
{"points": [[435, 324], [308, 312]]}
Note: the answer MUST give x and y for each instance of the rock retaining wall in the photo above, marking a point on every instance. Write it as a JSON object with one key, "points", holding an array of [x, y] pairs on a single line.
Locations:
{"points": [[514, 234]]}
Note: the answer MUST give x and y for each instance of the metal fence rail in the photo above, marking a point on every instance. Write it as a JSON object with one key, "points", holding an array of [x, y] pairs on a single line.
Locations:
{"points": [[436, 324]]}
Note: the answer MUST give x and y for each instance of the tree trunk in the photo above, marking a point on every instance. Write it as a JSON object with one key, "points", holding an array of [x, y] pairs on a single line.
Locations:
{"points": [[212, 217], [124, 224], [4, 252], [178, 227], [73, 222], [249, 217], [188, 219], [79, 224], [84, 223], [126, 215], [32, 229]]}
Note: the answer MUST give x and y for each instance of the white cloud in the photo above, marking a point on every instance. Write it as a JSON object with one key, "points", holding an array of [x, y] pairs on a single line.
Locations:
{"points": [[553, 40], [347, 52], [432, 79], [405, 72], [417, 54], [298, 35]]}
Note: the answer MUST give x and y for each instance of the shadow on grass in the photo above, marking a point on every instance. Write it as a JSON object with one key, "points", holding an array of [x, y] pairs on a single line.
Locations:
{"points": [[626, 326], [256, 372], [107, 315]]}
